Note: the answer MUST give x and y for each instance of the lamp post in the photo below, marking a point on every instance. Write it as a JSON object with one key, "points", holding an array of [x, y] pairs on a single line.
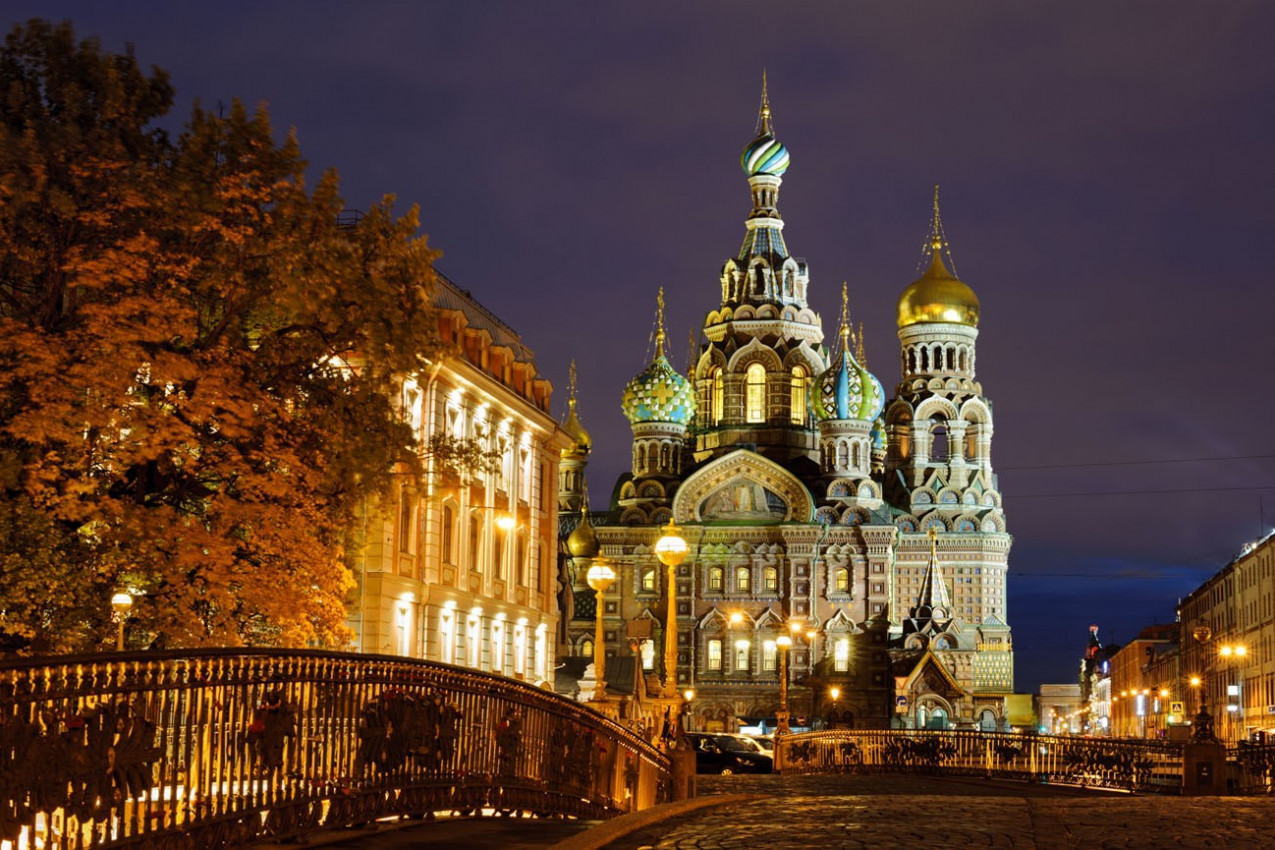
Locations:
{"points": [[600, 576], [671, 550], [687, 696], [1234, 710], [781, 726], [122, 602]]}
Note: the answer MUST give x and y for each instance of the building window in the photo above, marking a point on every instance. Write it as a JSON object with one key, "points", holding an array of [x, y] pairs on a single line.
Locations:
{"points": [[715, 655], [648, 655], [586, 648], [799, 387], [715, 576], [770, 578], [841, 655], [520, 562], [447, 636], [718, 400], [475, 537], [449, 534], [841, 580], [755, 395], [498, 555], [741, 655], [520, 649], [405, 521], [742, 579], [769, 655], [498, 646], [473, 640], [648, 581]]}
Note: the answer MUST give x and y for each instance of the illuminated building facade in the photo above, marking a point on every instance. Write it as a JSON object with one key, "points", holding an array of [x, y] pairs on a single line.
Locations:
{"points": [[1228, 643], [463, 568], [868, 530]]}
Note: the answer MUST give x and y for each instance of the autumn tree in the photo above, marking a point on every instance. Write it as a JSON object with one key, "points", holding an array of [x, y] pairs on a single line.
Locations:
{"points": [[198, 361]]}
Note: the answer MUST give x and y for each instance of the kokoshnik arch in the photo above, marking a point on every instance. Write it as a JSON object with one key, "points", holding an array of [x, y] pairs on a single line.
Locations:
{"points": [[872, 528]]}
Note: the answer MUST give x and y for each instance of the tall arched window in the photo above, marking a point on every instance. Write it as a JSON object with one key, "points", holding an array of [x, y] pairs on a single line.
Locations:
{"points": [[841, 582], [938, 448], [800, 384], [755, 396], [449, 532], [718, 400], [742, 579], [715, 579], [475, 537]]}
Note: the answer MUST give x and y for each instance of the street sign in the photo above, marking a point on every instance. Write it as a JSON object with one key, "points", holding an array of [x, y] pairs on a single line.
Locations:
{"points": [[1177, 708], [901, 699]]}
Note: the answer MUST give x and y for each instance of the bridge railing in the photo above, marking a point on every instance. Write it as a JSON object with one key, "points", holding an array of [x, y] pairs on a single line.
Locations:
{"points": [[216, 748], [1252, 768], [1095, 762]]}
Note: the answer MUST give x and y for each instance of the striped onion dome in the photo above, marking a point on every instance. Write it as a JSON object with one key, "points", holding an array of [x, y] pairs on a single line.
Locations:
{"points": [[764, 155]]}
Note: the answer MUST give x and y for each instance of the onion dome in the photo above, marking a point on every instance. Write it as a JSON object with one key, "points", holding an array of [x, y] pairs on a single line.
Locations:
{"points": [[847, 390], [878, 435], [938, 296], [659, 393], [583, 542], [764, 154], [581, 442]]}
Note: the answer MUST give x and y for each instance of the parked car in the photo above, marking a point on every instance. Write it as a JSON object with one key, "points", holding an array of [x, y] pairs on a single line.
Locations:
{"points": [[727, 754], [764, 742]]}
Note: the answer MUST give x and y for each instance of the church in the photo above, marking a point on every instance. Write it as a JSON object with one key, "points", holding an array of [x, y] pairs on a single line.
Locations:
{"points": [[846, 551]]}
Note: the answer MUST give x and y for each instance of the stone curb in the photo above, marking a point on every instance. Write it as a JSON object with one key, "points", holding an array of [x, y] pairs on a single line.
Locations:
{"points": [[600, 836]]}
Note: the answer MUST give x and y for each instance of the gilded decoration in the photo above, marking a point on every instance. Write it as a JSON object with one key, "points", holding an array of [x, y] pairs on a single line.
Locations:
{"points": [[743, 485]]}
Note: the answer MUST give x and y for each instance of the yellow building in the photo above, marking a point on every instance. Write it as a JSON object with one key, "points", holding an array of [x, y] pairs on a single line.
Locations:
{"points": [[1228, 643], [463, 569]]}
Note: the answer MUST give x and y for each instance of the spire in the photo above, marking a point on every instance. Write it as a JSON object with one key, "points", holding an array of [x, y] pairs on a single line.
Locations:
{"points": [[571, 384], [938, 242], [845, 318], [659, 325], [690, 353], [933, 598], [583, 443], [764, 127], [858, 349]]}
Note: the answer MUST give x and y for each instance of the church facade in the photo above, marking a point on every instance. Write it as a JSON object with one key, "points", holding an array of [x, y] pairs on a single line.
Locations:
{"points": [[852, 541]]}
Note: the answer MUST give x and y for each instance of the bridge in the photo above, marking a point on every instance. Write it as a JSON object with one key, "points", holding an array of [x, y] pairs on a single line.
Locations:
{"points": [[224, 747]]}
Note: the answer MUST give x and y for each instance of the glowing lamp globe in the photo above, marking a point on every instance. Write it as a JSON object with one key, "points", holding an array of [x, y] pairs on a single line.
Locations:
{"points": [[671, 549], [600, 575]]}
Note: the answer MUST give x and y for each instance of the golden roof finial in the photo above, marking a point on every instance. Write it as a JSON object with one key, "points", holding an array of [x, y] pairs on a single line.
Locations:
{"points": [[659, 324], [845, 318], [858, 351], [690, 353], [571, 382], [763, 114], [936, 234], [933, 534]]}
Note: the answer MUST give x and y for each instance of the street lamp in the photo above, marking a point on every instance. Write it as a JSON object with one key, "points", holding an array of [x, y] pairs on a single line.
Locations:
{"points": [[671, 550], [122, 602], [784, 643], [687, 696], [600, 576]]}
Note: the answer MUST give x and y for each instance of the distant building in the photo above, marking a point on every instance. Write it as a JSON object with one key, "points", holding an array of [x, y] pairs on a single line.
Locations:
{"points": [[1228, 642], [1145, 685], [869, 529], [1059, 709], [1095, 685], [463, 569]]}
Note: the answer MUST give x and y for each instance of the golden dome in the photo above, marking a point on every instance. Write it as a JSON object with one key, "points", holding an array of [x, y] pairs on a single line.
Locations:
{"points": [[583, 542], [937, 296], [583, 443]]}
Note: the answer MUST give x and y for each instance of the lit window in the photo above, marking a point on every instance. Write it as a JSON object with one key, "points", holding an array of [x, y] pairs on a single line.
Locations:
{"points": [[842, 582], [648, 580], [755, 397], [771, 578], [715, 655], [742, 648], [715, 579], [586, 648], [769, 655], [742, 579], [841, 655], [799, 387], [717, 402], [648, 655]]}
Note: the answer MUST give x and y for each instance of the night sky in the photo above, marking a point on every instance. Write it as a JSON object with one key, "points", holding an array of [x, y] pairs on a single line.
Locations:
{"points": [[1106, 171]]}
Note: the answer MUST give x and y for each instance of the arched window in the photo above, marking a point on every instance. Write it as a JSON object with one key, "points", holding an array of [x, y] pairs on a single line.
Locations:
{"points": [[648, 655], [520, 562], [715, 655], [586, 648], [800, 384], [475, 536], [717, 403], [742, 651], [405, 521], [769, 655], [841, 580], [770, 578], [449, 534], [742, 579], [715, 579], [755, 396], [648, 581], [938, 449], [841, 655]]}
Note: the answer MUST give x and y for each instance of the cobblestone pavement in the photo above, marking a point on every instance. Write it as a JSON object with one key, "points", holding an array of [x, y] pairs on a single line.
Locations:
{"points": [[869, 812]]}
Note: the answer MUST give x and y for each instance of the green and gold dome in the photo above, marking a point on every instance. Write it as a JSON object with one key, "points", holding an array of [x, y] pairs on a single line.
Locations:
{"points": [[659, 393], [847, 390], [764, 154]]}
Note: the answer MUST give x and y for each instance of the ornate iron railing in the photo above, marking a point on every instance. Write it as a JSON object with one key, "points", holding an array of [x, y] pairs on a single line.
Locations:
{"points": [[1097, 762], [1252, 768], [215, 748]]}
